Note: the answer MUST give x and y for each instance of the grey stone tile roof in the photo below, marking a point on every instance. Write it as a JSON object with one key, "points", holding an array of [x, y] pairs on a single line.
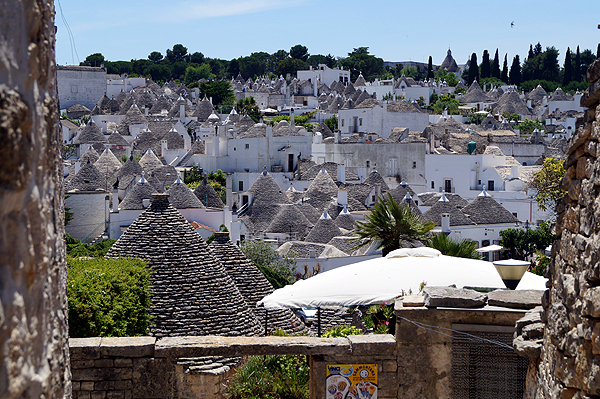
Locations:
{"points": [[374, 179], [283, 129], [485, 210], [321, 191], [91, 134], [254, 131], [474, 95], [357, 194], [311, 213], [430, 199], [181, 197], [150, 161], [303, 249], [79, 108], [399, 193], [290, 220], [126, 104], [87, 179], [266, 188], [324, 130], [404, 106], [90, 154], [344, 244], [128, 170], [449, 63], [293, 194], [134, 200], [192, 292], [208, 196], [162, 177], [323, 231], [268, 196], [560, 95], [511, 102], [335, 105], [133, 117], [349, 90], [360, 81], [252, 285], [203, 110], [174, 140], [344, 220], [143, 98], [161, 103], [457, 218], [197, 148], [108, 165], [116, 139], [537, 95]]}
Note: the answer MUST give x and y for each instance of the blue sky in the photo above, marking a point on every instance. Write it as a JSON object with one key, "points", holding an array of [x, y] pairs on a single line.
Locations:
{"points": [[393, 30]]}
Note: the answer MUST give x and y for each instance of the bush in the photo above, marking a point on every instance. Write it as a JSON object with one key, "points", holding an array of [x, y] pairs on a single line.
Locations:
{"points": [[271, 377], [341, 330], [77, 248], [108, 297], [278, 270]]}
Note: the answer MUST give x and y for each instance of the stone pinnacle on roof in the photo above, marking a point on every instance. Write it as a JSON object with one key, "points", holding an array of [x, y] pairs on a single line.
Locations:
{"points": [[134, 200], [344, 220], [91, 134], [486, 210], [181, 197], [192, 292], [150, 161], [88, 178]]}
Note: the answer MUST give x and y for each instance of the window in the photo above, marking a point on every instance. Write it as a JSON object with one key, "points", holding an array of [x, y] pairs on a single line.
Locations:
{"points": [[247, 146], [368, 164], [515, 214], [414, 165], [447, 185], [241, 186], [360, 121], [490, 185], [524, 163], [73, 88], [342, 123], [432, 184], [373, 198], [233, 148]]}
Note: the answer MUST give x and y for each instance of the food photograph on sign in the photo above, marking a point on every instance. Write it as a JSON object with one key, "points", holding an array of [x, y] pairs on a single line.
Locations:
{"points": [[352, 381]]}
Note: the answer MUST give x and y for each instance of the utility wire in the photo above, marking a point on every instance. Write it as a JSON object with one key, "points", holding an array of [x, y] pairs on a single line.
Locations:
{"points": [[71, 38]]}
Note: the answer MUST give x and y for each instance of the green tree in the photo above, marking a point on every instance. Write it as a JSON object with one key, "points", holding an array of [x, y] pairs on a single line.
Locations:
{"points": [[473, 70], [158, 72], [197, 58], [275, 58], [108, 297], [177, 54], [254, 65], [389, 224], [528, 126], [299, 52], [277, 269], [155, 57], [577, 70], [289, 65], [332, 123], [194, 74], [504, 73], [316, 59], [568, 69], [550, 68], [430, 68], [515, 71], [443, 75], [359, 60], [220, 91], [546, 183], [446, 102], [247, 106], [94, 60], [496, 66], [451, 247], [523, 243], [486, 70]]}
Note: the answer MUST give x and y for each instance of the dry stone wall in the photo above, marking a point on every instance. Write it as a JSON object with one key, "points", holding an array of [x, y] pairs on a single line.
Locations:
{"points": [[570, 361], [34, 357]]}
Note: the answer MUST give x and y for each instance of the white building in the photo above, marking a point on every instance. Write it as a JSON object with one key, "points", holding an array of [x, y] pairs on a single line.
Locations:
{"points": [[324, 74], [80, 85]]}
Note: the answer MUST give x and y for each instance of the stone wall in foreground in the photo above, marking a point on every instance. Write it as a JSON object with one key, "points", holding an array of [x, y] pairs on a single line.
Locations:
{"points": [[570, 354], [34, 357]]}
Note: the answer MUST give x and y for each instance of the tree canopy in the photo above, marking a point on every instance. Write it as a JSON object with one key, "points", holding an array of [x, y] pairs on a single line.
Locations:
{"points": [[523, 243], [546, 183]]}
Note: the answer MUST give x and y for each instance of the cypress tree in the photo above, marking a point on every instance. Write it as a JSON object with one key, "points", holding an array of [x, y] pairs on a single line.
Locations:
{"points": [[473, 69], [568, 68], [577, 68], [504, 74], [530, 55], [496, 66], [598, 51], [538, 49], [430, 68], [515, 71], [485, 65]]}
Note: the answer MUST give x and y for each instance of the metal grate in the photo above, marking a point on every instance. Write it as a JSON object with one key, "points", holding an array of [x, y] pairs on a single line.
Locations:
{"points": [[485, 370]]}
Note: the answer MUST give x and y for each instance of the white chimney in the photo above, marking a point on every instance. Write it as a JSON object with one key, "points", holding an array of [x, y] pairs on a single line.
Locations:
{"points": [[181, 111], [163, 148], [115, 200], [312, 253], [229, 189], [514, 172], [342, 198], [146, 202], [445, 223], [77, 166], [341, 173]]}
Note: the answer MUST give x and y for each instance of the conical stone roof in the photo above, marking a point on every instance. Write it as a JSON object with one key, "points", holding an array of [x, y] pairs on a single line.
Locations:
{"points": [[208, 196], [108, 165], [324, 230], [192, 292], [133, 117], [90, 154], [91, 134], [150, 161], [203, 110], [375, 179], [344, 220], [321, 190], [486, 210], [134, 200], [290, 220], [87, 179], [457, 218], [181, 197], [253, 285]]}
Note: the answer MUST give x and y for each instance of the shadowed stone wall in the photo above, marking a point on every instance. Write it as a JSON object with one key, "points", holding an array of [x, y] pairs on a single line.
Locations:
{"points": [[570, 361], [34, 357]]}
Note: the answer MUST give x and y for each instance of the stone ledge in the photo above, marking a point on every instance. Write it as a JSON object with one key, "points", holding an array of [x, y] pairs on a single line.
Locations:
{"points": [[84, 348], [176, 347], [521, 299], [127, 346], [369, 344]]}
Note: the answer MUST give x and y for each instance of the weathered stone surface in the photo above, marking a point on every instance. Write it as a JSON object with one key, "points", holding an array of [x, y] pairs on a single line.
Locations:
{"points": [[145, 381], [580, 136], [521, 299], [591, 302], [412, 301], [102, 374], [84, 348], [175, 347], [453, 298], [530, 349], [367, 344], [533, 331], [127, 346], [591, 96], [593, 72], [532, 316]]}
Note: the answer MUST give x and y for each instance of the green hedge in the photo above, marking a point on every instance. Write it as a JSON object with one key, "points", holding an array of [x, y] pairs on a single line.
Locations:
{"points": [[108, 297]]}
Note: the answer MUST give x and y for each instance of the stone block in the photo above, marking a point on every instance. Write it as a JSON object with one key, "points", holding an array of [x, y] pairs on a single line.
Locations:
{"points": [[453, 298], [82, 364], [87, 386], [110, 374], [592, 149], [100, 363], [152, 378], [75, 386], [593, 72], [123, 385], [390, 366], [521, 299], [98, 395], [591, 96], [530, 349], [115, 395], [574, 190], [104, 385], [127, 346], [575, 150], [533, 331], [411, 301], [84, 348], [591, 302], [123, 362], [369, 344], [83, 395]]}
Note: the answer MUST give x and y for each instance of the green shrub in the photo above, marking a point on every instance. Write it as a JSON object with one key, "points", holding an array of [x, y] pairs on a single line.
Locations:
{"points": [[108, 297], [76, 248], [341, 330]]}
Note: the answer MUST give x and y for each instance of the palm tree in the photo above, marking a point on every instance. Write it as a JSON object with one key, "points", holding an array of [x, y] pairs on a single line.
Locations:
{"points": [[390, 223], [451, 247]]}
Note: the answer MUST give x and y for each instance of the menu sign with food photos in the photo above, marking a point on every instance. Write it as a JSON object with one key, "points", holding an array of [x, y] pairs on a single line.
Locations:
{"points": [[351, 381]]}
